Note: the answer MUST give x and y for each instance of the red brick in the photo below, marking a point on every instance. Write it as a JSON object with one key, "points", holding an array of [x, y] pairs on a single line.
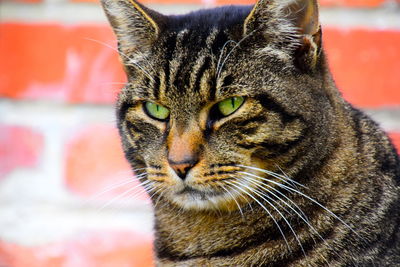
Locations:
{"points": [[96, 249], [352, 3], [395, 136], [23, 1], [88, 1], [20, 147], [56, 62], [155, 1], [168, 2], [328, 3], [95, 162], [365, 65], [234, 2]]}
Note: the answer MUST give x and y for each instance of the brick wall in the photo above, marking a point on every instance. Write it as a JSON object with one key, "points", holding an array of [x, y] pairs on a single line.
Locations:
{"points": [[59, 150]]}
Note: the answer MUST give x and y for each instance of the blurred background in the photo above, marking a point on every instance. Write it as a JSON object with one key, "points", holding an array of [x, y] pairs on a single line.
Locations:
{"points": [[67, 197]]}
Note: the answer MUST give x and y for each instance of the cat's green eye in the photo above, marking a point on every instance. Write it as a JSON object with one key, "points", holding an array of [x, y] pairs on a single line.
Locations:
{"points": [[230, 105], [156, 111]]}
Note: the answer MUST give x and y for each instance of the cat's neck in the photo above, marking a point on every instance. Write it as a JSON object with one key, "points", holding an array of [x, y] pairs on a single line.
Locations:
{"points": [[190, 234]]}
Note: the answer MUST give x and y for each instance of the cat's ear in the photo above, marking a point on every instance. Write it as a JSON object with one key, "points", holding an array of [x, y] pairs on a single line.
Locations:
{"points": [[291, 22], [135, 26]]}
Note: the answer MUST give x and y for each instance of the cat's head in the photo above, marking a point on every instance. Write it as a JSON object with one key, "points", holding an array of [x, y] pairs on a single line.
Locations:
{"points": [[217, 98]]}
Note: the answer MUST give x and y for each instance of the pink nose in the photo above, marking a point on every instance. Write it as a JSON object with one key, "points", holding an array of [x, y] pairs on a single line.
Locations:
{"points": [[182, 168]]}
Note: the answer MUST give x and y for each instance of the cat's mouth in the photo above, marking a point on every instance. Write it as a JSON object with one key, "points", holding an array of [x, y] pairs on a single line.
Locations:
{"points": [[190, 197], [196, 193]]}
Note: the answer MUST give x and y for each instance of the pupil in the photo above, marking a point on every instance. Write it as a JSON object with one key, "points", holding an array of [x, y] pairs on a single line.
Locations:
{"points": [[157, 107], [233, 102]]}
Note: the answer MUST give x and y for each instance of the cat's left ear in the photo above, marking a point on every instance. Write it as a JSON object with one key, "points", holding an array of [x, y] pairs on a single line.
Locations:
{"points": [[294, 22], [135, 26]]}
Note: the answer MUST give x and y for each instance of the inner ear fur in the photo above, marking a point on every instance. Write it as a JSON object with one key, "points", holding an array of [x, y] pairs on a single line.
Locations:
{"points": [[305, 16], [135, 26], [291, 18]]}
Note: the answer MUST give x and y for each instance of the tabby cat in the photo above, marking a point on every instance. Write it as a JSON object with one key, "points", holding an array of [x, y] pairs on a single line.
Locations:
{"points": [[233, 124]]}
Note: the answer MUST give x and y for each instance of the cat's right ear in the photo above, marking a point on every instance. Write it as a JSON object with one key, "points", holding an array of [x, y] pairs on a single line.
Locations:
{"points": [[135, 26], [291, 25]]}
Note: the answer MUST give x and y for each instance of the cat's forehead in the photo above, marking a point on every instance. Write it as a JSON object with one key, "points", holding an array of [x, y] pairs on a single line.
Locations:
{"points": [[205, 30], [197, 76], [203, 21], [196, 59]]}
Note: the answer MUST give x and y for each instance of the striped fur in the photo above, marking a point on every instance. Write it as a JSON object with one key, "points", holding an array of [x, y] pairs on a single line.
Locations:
{"points": [[295, 177]]}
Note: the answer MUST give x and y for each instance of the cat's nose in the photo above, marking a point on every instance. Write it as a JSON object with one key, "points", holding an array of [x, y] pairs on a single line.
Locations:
{"points": [[182, 168], [184, 149]]}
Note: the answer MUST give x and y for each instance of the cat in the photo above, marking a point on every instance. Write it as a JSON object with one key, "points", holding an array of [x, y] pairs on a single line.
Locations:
{"points": [[249, 153]]}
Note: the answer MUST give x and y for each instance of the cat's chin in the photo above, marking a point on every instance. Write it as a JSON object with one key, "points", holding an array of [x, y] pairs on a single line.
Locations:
{"points": [[193, 199], [211, 204]]}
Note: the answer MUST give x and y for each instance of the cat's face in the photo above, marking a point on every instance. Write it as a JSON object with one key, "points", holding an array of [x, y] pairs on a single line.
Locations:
{"points": [[209, 109]]}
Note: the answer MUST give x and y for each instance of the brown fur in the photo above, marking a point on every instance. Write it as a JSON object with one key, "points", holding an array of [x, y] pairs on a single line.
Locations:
{"points": [[341, 205]]}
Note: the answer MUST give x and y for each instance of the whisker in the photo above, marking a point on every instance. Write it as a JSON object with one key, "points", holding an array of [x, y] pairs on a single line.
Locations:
{"points": [[135, 194], [134, 64], [231, 51], [129, 172], [123, 194], [234, 199], [301, 216], [304, 195], [233, 86], [155, 190], [305, 219], [115, 83], [240, 195], [158, 198], [286, 176], [138, 169], [131, 62], [113, 187], [279, 212], [269, 213], [280, 193], [278, 176], [222, 52]]}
